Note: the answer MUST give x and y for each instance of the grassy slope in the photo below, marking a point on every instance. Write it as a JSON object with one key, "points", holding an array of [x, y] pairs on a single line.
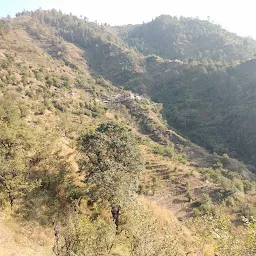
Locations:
{"points": [[24, 238]]}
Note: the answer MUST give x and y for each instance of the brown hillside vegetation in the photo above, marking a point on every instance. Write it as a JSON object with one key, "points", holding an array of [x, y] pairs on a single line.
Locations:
{"points": [[88, 168]]}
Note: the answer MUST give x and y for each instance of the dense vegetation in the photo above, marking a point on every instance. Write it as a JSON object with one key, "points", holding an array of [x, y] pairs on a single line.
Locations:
{"points": [[209, 92], [98, 166], [187, 38], [213, 108], [105, 51]]}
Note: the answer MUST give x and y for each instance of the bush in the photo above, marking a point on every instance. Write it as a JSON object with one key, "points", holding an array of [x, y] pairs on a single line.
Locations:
{"points": [[197, 212], [59, 106], [238, 185], [167, 151], [247, 186], [167, 177]]}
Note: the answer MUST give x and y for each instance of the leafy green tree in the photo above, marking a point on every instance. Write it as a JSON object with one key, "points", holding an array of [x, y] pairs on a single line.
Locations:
{"points": [[16, 153], [217, 231], [82, 236], [112, 164], [28, 157]]}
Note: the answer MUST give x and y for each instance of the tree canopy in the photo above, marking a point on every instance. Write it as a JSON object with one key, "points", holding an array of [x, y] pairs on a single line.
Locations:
{"points": [[112, 164]]}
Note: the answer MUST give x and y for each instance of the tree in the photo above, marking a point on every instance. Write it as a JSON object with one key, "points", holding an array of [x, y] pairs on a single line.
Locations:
{"points": [[16, 154], [84, 236], [28, 156], [112, 165]]}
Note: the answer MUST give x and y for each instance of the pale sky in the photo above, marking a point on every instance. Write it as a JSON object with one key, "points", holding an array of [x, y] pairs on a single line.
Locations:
{"points": [[235, 15]]}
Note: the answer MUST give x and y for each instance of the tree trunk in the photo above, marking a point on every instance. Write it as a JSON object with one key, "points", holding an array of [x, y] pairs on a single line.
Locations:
{"points": [[115, 210], [11, 198]]}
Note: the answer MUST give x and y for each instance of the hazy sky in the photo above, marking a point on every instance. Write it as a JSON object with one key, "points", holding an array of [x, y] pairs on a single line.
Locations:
{"points": [[235, 15]]}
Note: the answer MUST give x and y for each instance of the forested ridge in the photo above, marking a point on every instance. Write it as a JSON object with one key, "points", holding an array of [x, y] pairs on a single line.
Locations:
{"points": [[88, 164], [187, 38]]}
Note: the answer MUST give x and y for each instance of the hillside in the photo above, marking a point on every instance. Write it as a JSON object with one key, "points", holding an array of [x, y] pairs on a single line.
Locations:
{"points": [[187, 38], [215, 109], [75, 148], [201, 96], [202, 90]]}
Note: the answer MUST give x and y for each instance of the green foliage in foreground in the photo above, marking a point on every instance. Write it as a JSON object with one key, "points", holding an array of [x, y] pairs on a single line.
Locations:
{"points": [[33, 177], [217, 230], [20, 154], [141, 235], [112, 165]]}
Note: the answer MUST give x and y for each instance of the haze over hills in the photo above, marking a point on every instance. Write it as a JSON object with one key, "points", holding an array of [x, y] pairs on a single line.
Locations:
{"points": [[76, 142]]}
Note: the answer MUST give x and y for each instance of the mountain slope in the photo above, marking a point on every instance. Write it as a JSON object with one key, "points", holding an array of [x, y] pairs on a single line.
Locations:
{"points": [[201, 96], [57, 91], [186, 38], [213, 108]]}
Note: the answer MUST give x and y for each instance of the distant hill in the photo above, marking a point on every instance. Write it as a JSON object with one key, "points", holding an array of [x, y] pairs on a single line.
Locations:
{"points": [[208, 87], [187, 38], [107, 54]]}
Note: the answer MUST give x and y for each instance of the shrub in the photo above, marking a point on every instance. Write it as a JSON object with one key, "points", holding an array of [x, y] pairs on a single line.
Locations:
{"points": [[59, 106], [164, 150]]}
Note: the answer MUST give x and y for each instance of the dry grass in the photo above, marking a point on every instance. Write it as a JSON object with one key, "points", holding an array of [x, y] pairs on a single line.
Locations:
{"points": [[183, 237], [24, 239], [173, 179]]}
